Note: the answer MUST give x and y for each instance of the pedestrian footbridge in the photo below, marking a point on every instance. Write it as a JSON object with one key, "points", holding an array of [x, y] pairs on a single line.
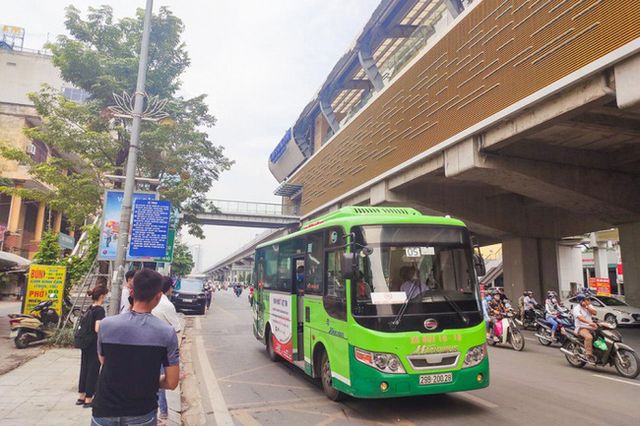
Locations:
{"points": [[249, 214]]}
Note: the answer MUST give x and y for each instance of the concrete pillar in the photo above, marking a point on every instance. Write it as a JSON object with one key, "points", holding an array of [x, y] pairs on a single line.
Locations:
{"points": [[630, 251], [569, 269], [57, 222], [600, 260], [530, 264], [39, 222]]}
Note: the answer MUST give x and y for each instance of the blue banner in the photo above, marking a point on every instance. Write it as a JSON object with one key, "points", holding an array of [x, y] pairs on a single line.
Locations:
{"points": [[149, 229]]}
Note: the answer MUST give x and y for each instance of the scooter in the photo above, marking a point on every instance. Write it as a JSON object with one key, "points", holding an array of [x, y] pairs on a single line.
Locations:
{"points": [[543, 333], [35, 327], [506, 332], [608, 349]]}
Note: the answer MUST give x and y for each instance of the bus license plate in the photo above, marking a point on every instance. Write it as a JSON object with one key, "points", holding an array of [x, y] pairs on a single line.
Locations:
{"points": [[434, 379]]}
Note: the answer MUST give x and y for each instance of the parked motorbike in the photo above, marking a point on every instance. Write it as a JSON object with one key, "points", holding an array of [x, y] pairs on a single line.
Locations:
{"points": [[543, 333], [608, 349], [506, 332], [35, 327]]}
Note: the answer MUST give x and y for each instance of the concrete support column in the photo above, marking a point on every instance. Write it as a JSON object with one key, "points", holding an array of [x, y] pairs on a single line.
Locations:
{"points": [[57, 222], [530, 264], [630, 251], [569, 269], [600, 260], [39, 222]]}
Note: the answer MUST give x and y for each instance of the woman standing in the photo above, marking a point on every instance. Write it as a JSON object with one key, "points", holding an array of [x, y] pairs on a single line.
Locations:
{"points": [[87, 339]]}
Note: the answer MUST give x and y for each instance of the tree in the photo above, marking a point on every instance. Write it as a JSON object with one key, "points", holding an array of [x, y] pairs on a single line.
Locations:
{"points": [[49, 250], [182, 263], [101, 57]]}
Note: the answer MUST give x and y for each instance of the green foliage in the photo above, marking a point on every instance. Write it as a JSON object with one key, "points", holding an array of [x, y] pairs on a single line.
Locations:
{"points": [[62, 337], [78, 267], [49, 250], [101, 57], [182, 260]]}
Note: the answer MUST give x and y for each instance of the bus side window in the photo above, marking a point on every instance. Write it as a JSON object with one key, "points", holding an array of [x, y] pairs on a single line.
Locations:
{"points": [[314, 264], [271, 267], [335, 298]]}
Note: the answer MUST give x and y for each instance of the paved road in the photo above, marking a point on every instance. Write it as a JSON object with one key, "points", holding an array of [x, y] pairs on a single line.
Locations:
{"points": [[536, 386], [10, 356]]}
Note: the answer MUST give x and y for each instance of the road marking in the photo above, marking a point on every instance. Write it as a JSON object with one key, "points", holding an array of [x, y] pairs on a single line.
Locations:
{"points": [[220, 410], [476, 400], [276, 403], [275, 385], [246, 418], [248, 371], [616, 380]]}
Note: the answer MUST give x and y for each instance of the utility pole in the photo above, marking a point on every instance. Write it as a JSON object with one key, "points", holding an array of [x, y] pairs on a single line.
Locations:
{"points": [[130, 176]]}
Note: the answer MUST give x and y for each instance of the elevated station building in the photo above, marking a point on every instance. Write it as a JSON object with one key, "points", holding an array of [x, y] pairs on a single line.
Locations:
{"points": [[521, 118]]}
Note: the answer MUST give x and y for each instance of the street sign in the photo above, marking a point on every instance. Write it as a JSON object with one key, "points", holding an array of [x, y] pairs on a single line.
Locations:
{"points": [[111, 221], [602, 286], [46, 282], [168, 257], [149, 229], [66, 241]]}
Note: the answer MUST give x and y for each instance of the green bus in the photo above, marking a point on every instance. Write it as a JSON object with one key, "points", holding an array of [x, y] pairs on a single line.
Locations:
{"points": [[376, 302]]}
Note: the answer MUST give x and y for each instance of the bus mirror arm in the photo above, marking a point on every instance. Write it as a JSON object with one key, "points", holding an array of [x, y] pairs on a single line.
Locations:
{"points": [[479, 265]]}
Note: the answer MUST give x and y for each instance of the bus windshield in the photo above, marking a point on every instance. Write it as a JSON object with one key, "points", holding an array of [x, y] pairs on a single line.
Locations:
{"points": [[427, 268]]}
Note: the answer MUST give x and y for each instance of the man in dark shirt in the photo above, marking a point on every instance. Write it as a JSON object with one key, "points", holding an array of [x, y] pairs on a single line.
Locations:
{"points": [[132, 346]]}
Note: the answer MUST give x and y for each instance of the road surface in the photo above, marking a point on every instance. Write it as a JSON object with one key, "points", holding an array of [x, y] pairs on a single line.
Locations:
{"points": [[240, 385]]}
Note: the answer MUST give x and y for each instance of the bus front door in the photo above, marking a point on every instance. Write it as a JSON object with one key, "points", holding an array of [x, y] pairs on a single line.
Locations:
{"points": [[298, 280]]}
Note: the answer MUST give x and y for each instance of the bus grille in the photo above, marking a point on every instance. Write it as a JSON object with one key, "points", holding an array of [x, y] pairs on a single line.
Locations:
{"points": [[433, 361]]}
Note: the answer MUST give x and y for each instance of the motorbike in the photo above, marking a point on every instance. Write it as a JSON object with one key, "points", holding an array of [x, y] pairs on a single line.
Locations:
{"points": [[543, 332], [237, 290], [35, 327], [529, 322], [608, 349], [507, 333]]}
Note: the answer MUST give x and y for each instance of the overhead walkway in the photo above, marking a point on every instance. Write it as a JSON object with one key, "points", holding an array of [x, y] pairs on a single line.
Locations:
{"points": [[249, 214]]}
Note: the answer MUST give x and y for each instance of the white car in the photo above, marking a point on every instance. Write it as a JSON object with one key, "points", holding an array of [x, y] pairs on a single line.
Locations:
{"points": [[612, 310]]}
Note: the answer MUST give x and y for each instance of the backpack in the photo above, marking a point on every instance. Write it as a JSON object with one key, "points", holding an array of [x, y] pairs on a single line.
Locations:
{"points": [[84, 335]]}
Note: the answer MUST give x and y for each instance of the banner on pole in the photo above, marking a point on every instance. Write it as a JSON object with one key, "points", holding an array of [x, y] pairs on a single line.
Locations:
{"points": [[45, 282], [149, 229]]}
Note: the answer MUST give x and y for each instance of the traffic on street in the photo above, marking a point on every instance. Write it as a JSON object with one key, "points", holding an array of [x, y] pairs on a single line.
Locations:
{"points": [[237, 380]]}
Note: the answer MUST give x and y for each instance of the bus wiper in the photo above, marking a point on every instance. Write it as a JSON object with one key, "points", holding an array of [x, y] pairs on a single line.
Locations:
{"points": [[396, 321], [456, 308]]}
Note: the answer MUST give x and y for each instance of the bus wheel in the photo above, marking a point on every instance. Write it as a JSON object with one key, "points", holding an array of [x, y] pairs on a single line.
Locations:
{"points": [[325, 376], [273, 356]]}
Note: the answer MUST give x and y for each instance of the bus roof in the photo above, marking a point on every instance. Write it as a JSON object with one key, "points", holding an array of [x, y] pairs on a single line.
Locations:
{"points": [[364, 215]]}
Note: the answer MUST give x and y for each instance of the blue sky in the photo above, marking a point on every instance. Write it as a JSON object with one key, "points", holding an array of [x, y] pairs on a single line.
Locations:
{"points": [[260, 62]]}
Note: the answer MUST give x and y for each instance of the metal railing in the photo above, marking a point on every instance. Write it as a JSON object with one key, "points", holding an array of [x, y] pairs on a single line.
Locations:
{"points": [[233, 207]]}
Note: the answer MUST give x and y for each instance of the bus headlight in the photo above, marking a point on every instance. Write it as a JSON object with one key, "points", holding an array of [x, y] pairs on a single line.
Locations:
{"points": [[387, 363], [475, 355]]}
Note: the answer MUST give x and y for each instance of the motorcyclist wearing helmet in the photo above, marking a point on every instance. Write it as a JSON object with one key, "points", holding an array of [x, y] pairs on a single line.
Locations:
{"points": [[485, 312], [521, 303], [496, 310], [529, 304], [551, 311], [584, 324]]}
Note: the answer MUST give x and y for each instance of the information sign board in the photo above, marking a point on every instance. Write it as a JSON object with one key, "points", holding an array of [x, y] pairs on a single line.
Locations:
{"points": [[45, 282], [149, 229]]}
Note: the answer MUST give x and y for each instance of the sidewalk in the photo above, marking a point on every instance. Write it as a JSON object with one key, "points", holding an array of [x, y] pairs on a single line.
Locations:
{"points": [[43, 392]]}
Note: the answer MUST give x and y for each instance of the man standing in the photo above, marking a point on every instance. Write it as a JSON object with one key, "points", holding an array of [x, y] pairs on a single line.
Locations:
{"points": [[166, 312], [125, 297], [131, 348]]}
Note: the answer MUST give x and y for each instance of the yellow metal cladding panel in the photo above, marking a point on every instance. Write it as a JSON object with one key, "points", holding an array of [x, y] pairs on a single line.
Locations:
{"points": [[500, 53]]}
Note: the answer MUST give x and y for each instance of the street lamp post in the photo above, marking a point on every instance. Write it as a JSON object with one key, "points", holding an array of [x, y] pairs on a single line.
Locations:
{"points": [[125, 217]]}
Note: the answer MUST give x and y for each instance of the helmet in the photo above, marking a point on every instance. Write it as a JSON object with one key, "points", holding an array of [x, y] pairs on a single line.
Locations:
{"points": [[580, 298], [525, 293], [551, 294]]}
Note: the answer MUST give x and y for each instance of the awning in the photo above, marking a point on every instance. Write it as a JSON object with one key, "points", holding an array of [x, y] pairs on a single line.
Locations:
{"points": [[10, 262]]}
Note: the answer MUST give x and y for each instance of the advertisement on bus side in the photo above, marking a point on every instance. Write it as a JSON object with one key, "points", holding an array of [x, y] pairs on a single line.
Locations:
{"points": [[280, 318]]}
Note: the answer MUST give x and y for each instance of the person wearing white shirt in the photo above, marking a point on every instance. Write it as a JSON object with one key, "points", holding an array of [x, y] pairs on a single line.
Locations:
{"points": [[583, 321], [125, 296], [166, 312]]}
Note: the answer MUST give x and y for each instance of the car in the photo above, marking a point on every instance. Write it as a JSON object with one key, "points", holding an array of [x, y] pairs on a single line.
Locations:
{"points": [[190, 294], [613, 310]]}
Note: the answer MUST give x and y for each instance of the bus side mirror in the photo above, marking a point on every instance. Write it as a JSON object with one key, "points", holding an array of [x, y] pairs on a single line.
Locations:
{"points": [[478, 264], [348, 266]]}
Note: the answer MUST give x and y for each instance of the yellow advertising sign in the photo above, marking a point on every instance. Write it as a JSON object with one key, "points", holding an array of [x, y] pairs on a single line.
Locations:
{"points": [[45, 282]]}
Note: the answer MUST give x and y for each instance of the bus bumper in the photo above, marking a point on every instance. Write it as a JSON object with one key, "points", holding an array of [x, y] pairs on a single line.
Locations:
{"points": [[366, 382]]}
